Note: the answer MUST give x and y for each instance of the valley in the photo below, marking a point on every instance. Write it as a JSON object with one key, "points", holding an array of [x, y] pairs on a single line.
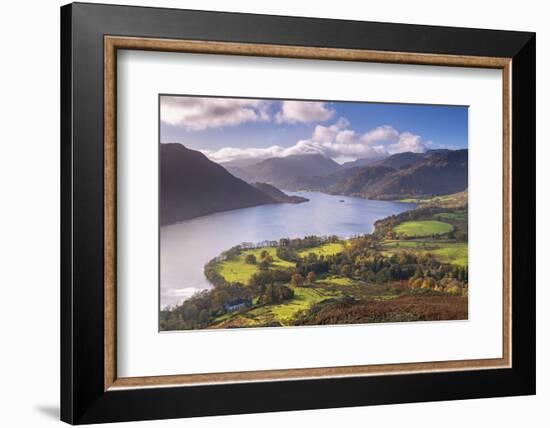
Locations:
{"points": [[413, 267]]}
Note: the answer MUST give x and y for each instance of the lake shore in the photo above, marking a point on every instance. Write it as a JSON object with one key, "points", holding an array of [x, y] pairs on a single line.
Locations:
{"points": [[187, 246]]}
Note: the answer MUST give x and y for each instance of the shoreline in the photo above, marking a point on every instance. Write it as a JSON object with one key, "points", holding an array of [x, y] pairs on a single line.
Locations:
{"points": [[257, 244]]}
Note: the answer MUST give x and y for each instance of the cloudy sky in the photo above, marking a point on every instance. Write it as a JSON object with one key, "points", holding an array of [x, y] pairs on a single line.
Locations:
{"points": [[226, 129]]}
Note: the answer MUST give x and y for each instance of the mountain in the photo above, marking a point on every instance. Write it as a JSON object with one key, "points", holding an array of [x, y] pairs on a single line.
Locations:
{"points": [[321, 182], [239, 163], [362, 162], [440, 173], [361, 180], [437, 152], [277, 195], [191, 185], [348, 169], [400, 160], [239, 172], [282, 171], [405, 159]]}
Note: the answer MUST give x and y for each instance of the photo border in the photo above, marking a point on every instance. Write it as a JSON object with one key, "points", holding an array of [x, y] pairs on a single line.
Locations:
{"points": [[169, 94], [114, 43]]}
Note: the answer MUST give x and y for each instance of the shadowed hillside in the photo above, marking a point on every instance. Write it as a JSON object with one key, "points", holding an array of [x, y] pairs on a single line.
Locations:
{"points": [[192, 186], [441, 173], [398, 176]]}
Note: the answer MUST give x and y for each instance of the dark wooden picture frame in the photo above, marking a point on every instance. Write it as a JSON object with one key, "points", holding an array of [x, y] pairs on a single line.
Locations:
{"points": [[90, 37]]}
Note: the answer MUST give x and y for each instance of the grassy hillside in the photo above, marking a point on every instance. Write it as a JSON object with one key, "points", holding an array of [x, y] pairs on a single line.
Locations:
{"points": [[329, 249], [421, 228], [445, 251], [455, 200], [238, 270]]}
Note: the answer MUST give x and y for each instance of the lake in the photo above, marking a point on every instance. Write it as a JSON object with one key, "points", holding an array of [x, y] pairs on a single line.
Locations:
{"points": [[187, 246]]}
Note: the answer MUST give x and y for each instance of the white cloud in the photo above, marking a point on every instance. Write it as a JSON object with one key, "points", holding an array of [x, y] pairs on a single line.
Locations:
{"points": [[195, 113], [199, 113], [381, 134], [336, 141], [407, 142], [303, 111], [388, 138], [231, 153]]}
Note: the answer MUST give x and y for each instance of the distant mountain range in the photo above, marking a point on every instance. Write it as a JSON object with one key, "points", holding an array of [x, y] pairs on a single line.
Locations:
{"points": [[407, 174], [282, 172], [192, 186], [369, 177], [403, 176]]}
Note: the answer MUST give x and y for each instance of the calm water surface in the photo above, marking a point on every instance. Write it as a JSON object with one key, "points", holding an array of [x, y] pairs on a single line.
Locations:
{"points": [[187, 246]]}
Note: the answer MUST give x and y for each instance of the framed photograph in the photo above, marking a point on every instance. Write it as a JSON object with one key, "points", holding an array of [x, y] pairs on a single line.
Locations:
{"points": [[266, 213]]}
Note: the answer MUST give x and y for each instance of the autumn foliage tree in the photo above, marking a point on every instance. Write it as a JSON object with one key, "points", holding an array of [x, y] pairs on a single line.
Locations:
{"points": [[250, 259], [276, 293], [297, 280], [266, 261]]}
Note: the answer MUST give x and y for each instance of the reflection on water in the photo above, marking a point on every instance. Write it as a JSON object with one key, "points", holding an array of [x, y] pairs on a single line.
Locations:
{"points": [[187, 246]]}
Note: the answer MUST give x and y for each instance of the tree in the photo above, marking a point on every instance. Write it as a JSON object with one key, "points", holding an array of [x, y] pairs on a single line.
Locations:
{"points": [[264, 254], [275, 293], [190, 312], [428, 283], [203, 316], [346, 270], [219, 297], [454, 287], [266, 262], [250, 259], [312, 257], [311, 277], [267, 297], [415, 282], [297, 280]]}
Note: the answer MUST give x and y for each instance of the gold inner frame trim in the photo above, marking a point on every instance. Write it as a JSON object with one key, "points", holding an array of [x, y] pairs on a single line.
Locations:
{"points": [[113, 43]]}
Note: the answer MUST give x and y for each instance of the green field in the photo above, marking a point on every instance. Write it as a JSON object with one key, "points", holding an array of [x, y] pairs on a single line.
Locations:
{"points": [[428, 200], [420, 228], [453, 253], [303, 298], [446, 252], [337, 280], [237, 270], [329, 249]]}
